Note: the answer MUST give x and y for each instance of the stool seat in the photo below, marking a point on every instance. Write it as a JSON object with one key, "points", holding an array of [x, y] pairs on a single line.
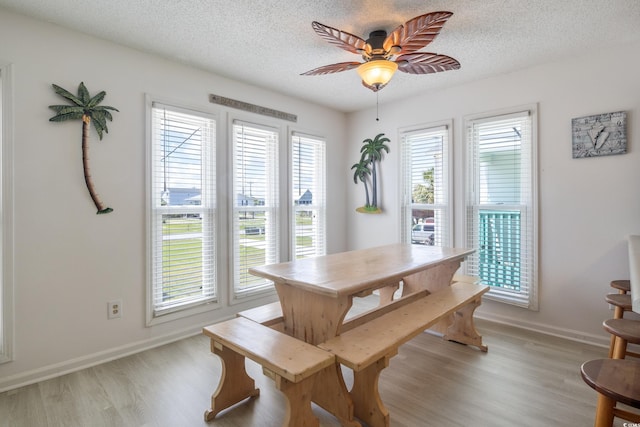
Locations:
{"points": [[627, 329], [615, 380], [619, 300], [623, 286]]}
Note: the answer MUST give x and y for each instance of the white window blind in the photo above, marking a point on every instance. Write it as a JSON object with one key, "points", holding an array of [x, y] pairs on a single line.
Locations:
{"points": [[501, 200], [309, 195], [256, 205], [182, 209], [426, 196]]}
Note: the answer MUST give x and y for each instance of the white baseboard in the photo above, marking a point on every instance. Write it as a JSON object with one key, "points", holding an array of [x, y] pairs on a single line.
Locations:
{"points": [[51, 371], [569, 334], [68, 366]]}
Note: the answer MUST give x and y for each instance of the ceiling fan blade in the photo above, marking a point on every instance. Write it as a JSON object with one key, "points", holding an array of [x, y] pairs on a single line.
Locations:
{"points": [[342, 39], [333, 68], [426, 63], [417, 32]]}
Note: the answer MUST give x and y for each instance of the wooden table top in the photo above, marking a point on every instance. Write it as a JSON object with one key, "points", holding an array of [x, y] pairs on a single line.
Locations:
{"points": [[360, 271]]}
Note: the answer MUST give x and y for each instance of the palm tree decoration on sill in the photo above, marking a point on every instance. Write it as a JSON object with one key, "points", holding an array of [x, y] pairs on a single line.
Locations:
{"points": [[86, 108], [371, 154]]}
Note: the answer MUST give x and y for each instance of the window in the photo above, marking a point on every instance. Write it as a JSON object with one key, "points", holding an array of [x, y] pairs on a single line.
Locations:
{"points": [[426, 196], [182, 214], [256, 209], [308, 187], [6, 217], [501, 205]]}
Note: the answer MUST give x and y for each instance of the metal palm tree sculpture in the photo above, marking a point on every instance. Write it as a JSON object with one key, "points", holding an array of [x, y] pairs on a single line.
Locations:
{"points": [[361, 172], [372, 153], [86, 108]]}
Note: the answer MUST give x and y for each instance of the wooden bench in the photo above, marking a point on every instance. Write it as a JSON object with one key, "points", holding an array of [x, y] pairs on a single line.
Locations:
{"points": [[268, 315], [366, 344], [291, 363]]}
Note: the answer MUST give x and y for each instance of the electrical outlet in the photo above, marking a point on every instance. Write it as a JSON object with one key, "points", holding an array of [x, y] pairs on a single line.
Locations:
{"points": [[114, 309]]}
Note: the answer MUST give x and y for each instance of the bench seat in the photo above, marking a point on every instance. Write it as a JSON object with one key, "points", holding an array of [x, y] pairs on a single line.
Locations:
{"points": [[368, 347], [359, 347], [291, 363], [267, 315]]}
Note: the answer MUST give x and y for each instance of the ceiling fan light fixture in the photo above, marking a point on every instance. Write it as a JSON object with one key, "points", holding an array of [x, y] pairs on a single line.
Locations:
{"points": [[378, 72]]}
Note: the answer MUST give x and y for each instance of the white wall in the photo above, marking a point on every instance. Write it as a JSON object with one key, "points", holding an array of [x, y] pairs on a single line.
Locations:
{"points": [[69, 261], [587, 206]]}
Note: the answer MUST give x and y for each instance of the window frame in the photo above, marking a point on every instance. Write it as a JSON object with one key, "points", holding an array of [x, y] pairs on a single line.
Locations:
{"points": [[528, 297], [319, 200], [407, 205], [153, 316], [6, 214]]}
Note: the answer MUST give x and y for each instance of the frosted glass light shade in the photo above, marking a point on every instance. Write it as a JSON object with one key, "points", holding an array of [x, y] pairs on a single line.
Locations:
{"points": [[378, 72]]}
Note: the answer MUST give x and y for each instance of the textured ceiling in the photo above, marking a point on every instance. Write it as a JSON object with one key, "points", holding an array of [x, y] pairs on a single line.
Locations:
{"points": [[269, 43]]}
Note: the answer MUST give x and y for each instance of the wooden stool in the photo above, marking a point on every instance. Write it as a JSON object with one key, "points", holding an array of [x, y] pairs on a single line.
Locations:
{"points": [[623, 286], [621, 303], [615, 381], [623, 331]]}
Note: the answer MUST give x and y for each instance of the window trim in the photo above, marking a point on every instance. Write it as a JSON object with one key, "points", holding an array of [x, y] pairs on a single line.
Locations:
{"points": [[192, 308], [404, 231], [529, 300], [6, 212]]}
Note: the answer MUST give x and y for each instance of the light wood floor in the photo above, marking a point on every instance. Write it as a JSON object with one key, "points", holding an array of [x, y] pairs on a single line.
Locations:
{"points": [[525, 379]]}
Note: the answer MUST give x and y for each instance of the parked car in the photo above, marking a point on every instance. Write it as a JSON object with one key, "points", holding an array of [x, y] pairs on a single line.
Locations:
{"points": [[423, 233]]}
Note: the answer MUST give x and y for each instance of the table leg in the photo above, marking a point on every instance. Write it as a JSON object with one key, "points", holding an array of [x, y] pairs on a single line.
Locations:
{"points": [[386, 294], [235, 384], [366, 398], [311, 317], [330, 392]]}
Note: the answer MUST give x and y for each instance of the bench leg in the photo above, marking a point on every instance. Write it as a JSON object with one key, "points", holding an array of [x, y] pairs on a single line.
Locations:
{"points": [[235, 384], [299, 413], [330, 393], [366, 398], [463, 329]]}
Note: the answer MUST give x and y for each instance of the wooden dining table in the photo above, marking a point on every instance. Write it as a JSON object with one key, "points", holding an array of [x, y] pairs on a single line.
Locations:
{"points": [[317, 293]]}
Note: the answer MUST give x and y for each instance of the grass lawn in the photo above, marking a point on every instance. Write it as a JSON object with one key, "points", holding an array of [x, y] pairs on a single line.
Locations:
{"points": [[182, 257]]}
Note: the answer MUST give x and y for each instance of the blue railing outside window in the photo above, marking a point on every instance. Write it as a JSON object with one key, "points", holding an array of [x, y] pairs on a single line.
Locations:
{"points": [[499, 249]]}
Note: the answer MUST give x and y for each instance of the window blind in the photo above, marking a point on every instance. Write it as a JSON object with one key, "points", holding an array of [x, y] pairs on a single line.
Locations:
{"points": [[426, 216], [500, 206], [256, 208], [182, 218], [309, 195]]}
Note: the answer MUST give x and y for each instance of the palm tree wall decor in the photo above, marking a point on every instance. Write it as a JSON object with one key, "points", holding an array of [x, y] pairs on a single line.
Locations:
{"points": [[371, 154], [361, 172], [85, 108]]}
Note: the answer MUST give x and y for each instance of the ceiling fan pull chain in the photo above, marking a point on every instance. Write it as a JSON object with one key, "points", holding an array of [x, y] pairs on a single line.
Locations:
{"points": [[377, 109]]}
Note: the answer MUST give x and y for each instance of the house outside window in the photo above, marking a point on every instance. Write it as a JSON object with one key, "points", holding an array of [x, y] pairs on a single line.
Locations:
{"points": [[501, 204], [308, 179], [182, 211], [426, 217]]}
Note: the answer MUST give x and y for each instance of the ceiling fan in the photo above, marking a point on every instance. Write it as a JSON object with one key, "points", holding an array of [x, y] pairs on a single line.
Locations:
{"points": [[384, 54]]}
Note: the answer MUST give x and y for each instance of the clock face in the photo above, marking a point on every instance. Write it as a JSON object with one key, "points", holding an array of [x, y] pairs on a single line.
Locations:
{"points": [[599, 135]]}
